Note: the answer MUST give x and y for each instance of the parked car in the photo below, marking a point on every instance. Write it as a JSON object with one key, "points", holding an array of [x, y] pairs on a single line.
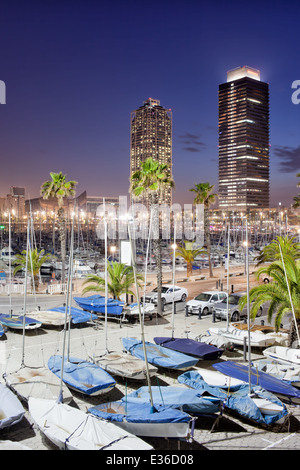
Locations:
{"points": [[204, 302], [234, 310], [180, 294]]}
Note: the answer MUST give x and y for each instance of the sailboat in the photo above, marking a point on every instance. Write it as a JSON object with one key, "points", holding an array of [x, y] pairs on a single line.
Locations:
{"points": [[27, 381], [72, 429], [252, 402], [11, 409], [145, 419], [188, 400], [79, 374], [158, 355]]}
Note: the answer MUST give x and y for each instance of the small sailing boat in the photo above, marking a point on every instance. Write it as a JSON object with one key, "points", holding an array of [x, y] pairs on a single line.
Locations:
{"points": [[253, 402], [188, 400], [96, 303], [72, 429], [125, 365], [257, 377], [191, 347], [158, 355], [81, 375], [237, 336], [287, 372], [18, 322], [11, 409], [142, 419], [282, 354]]}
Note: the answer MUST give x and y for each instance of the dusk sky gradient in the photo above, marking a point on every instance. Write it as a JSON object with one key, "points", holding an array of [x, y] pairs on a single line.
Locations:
{"points": [[74, 71]]}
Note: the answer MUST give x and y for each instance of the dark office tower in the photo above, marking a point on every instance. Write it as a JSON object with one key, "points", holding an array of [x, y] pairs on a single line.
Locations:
{"points": [[243, 141], [151, 136]]}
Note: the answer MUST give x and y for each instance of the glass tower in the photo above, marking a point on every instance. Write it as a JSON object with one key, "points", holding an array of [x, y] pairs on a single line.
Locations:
{"points": [[243, 141], [151, 136]]}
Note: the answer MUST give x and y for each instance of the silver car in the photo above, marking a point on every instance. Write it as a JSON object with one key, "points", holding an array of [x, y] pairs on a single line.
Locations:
{"points": [[234, 310], [204, 302]]}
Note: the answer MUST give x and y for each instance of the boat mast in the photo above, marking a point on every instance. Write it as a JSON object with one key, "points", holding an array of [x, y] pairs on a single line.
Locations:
{"points": [[248, 306], [60, 397], [105, 276], [228, 258], [173, 299], [140, 314], [25, 297]]}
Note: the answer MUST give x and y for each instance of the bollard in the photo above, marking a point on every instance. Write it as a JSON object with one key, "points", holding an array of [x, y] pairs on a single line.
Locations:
{"points": [[262, 322], [199, 313], [186, 311], [232, 288], [214, 316]]}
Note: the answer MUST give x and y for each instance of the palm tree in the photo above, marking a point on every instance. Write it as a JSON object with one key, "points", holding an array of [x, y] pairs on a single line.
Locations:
{"points": [[271, 252], [35, 261], [59, 189], [152, 178], [189, 254], [121, 279], [204, 196], [297, 198], [286, 283]]}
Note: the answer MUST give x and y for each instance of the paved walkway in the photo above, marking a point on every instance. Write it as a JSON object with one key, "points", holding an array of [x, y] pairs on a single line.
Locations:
{"points": [[232, 432]]}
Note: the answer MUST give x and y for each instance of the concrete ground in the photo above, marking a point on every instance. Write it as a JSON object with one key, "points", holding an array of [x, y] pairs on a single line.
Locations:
{"points": [[232, 431]]}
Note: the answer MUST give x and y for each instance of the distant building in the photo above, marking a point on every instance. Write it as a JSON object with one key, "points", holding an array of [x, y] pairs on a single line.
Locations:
{"points": [[151, 136], [14, 202], [243, 141]]}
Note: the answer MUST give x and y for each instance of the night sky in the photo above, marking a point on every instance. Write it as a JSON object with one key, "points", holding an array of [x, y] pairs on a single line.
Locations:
{"points": [[74, 71]]}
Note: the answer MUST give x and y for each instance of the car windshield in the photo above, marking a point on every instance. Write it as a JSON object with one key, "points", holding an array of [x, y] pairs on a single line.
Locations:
{"points": [[163, 290], [233, 299], [204, 297]]}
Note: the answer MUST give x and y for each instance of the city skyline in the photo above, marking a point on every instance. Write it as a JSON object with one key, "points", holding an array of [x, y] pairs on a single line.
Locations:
{"points": [[75, 72]]}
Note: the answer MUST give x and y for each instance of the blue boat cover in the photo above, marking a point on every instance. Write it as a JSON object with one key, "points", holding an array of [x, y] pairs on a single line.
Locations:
{"points": [[17, 322], [158, 355], [11, 408], [236, 398], [138, 413], [77, 315], [191, 347], [264, 380], [186, 399], [82, 375], [1, 331], [96, 303]]}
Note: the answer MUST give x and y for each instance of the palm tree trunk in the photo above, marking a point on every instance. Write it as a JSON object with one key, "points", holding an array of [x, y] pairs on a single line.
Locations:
{"points": [[189, 268], [292, 335]]}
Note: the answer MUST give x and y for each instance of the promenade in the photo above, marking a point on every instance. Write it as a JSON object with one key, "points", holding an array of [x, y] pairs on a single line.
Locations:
{"points": [[231, 433]]}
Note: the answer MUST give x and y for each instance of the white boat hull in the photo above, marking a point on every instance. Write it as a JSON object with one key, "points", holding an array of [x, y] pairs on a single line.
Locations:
{"points": [[72, 429], [237, 336], [283, 354]]}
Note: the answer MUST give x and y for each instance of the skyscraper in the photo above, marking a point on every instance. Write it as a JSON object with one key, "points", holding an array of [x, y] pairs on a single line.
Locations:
{"points": [[151, 136], [243, 141]]}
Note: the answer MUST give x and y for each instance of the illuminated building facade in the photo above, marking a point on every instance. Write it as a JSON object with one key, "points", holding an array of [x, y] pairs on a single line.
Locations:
{"points": [[151, 136], [243, 141]]}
